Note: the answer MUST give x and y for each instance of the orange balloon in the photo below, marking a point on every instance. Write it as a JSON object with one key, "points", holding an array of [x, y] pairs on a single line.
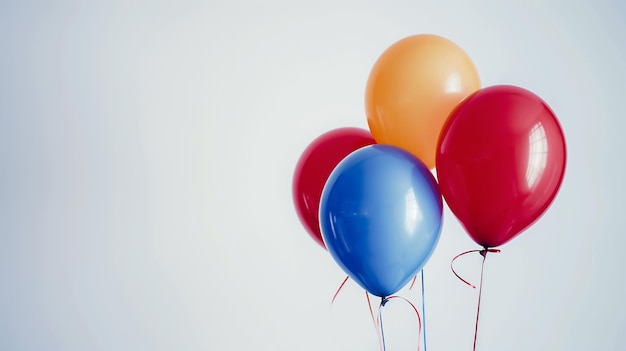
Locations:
{"points": [[411, 90]]}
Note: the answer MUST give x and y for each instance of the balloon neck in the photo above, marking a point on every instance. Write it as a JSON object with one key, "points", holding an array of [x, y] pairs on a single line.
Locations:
{"points": [[383, 300], [485, 249]]}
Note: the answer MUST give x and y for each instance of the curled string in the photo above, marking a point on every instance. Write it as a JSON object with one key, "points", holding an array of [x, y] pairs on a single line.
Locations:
{"points": [[379, 319], [338, 290], [483, 253], [452, 266]]}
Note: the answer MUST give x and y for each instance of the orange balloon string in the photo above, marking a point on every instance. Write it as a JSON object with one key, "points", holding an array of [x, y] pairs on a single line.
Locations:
{"points": [[483, 253], [379, 319]]}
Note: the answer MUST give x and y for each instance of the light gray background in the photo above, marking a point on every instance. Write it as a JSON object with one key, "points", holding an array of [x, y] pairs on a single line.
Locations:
{"points": [[146, 159]]}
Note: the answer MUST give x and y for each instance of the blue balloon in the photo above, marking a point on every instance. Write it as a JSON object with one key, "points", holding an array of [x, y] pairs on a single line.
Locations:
{"points": [[380, 217]]}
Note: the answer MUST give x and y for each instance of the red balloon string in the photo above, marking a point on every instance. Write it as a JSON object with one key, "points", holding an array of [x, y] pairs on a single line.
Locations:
{"points": [[452, 266], [338, 290], [413, 282], [483, 253], [369, 304], [480, 291], [379, 319]]}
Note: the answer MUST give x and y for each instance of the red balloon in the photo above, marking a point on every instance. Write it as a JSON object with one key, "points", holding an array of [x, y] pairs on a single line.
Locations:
{"points": [[500, 162], [314, 167]]}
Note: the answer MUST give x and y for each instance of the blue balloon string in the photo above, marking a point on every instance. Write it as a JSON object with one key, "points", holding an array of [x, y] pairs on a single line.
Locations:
{"points": [[424, 311], [380, 317], [379, 320]]}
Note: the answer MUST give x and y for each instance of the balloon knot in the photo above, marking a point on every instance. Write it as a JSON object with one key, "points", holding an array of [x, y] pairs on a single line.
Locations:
{"points": [[485, 250], [383, 300]]}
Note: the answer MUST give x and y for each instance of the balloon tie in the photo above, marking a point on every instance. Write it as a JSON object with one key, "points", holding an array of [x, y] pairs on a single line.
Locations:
{"points": [[483, 253], [379, 319], [338, 290]]}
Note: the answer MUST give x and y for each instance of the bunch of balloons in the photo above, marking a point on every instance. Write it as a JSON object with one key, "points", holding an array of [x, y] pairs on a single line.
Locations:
{"points": [[370, 197]]}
